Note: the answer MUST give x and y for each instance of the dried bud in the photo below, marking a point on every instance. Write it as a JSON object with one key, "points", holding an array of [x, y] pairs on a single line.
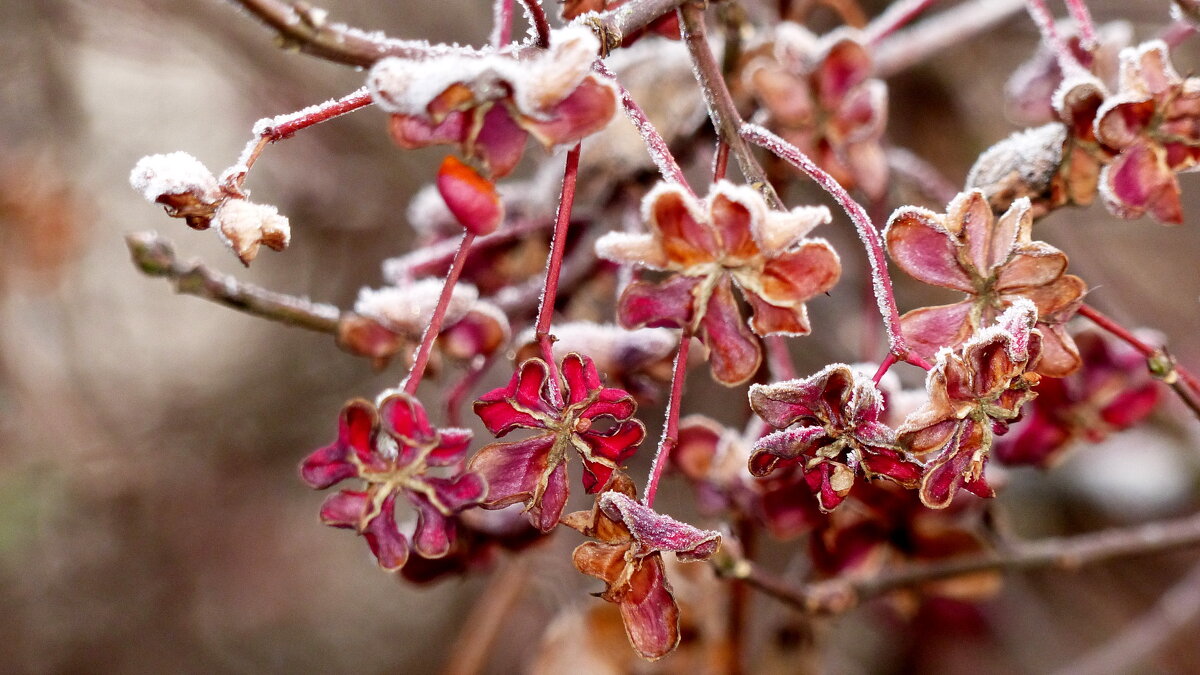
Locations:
{"points": [[470, 197], [244, 226], [181, 183]]}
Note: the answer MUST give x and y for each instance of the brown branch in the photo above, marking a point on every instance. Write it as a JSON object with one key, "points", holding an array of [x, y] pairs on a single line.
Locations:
{"points": [[842, 593], [155, 257], [721, 109]]}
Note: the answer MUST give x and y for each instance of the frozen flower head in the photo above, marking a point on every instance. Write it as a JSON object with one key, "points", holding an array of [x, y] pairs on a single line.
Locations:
{"points": [[181, 183], [707, 247], [819, 96], [489, 104], [245, 227], [392, 450], [1153, 123], [830, 423], [627, 557], [592, 420], [975, 391], [996, 263]]}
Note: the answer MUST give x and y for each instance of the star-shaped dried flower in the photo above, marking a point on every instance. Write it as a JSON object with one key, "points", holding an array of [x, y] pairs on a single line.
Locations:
{"points": [[488, 104], [1112, 391], [627, 557], [392, 450], [995, 262], [829, 422], [534, 470], [708, 246], [974, 393], [819, 96], [1153, 123]]}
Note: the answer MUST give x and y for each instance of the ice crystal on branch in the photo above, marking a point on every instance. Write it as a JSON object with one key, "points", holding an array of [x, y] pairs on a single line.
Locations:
{"points": [[995, 261], [392, 449], [181, 183], [534, 470], [709, 246]]}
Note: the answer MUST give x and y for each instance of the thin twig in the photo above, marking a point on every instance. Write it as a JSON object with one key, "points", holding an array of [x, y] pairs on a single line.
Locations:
{"points": [[155, 256], [434, 328], [895, 17], [558, 246], [1044, 20], [910, 46], [536, 16], [842, 593], [721, 109], [656, 145], [612, 26], [671, 429], [1083, 20]]}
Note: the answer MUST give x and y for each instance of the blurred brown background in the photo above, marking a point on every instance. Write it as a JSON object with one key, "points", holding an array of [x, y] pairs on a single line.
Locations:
{"points": [[150, 515]]}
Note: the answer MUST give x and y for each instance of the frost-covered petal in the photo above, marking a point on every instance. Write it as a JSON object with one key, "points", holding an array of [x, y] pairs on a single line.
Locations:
{"points": [[669, 304], [656, 532], [986, 242], [811, 398], [246, 226], [928, 329], [584, 112], [1139, 180], [788, 444], [413, 131], [631, 248], [678, 222], [920, 244], [800, 273], [846, 64], [1035, 264], [735, 216], [514, 471], [734, 351], [1060, 356], [960, 465], [769, 319]]}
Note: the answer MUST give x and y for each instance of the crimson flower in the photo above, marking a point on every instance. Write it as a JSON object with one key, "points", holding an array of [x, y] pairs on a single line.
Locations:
{"points": [[490, 103], [393, 463], [708, 246], [819, 96], [534, 470], [1112, 391], [996, 263], [1154, 125], [974, 392], [830, 422], [627, 557]]}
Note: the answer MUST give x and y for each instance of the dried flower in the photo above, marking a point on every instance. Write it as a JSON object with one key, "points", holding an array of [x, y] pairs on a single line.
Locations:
{"points": [[470, 197], [245, 226], [819, 96], [489, 104], [534, 470], [710, 245], [974, 393], [181, 183], [628, 558], [996, 263], [393, 463], [830, 423]]}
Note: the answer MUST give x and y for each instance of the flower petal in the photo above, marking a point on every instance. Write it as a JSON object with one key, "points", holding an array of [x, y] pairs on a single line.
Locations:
{"points": [[389, 546], [499, 142], [670, 304], [585, 111], [928, 329], [734, 351], [676, 218], [800, 273], [357, 428], [1139, 180], [649, 611], [657, 532], [522, 403], [788, 444], [513, 470], [922, 246]]}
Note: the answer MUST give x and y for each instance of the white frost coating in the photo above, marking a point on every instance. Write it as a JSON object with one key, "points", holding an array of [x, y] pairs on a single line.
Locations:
{"points": [[1034, 155], [409, 308], [407, 86], [244, 226], [630, 248], [427, 212], [782, 229], [795, 46], [176, 173], [1067, 88]]}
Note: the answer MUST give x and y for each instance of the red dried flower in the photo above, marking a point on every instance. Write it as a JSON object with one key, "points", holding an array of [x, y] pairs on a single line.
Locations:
{"points": [[829, 422], [470, 197], [709, 246], [974, 393], [628, 558], [392, 463], [996, 263], [534, 470], [820, 97], [1112, 391], [1154, 125], [488, 104]]}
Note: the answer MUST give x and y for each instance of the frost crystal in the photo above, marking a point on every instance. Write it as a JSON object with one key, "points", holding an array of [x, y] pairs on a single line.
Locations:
{"points": [[408, 308], [244, 226], [177, 173]]}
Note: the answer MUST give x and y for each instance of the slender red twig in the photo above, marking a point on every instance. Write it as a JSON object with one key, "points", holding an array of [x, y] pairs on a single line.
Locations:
{"points": [[537, 19], [421, 359], [502, 12], [880, 280], [1044, 20], [558, 245], [1083, 20], [779, 358], [720, 161], [888, 362], [671, 428], [895, 17]]}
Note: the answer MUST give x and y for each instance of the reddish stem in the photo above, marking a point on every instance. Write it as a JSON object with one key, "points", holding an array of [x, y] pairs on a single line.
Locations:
{"points": [[880, 281], [558, 245], [1083, 19], [1176, 33], [656, 145], [439, 314], [537, 18], [1044, 20], [1163, 365], [502, 11], [671, 429], [779, 358], [895, 17], [720, 161], [888, 362]]}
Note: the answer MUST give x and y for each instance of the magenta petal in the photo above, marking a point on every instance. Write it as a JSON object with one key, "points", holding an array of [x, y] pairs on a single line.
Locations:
{"points": [[452, 447], [734, 351], [345, 509], [512, 470], [669, 304], [434, 532], [500, 142], [930, 328], [616, 446], [952, 469], [656, 532], [518, 404], [787, 444], [1131, 407], [357, 429], [580, 378], [411, 131], [587, 110], [784, 403], [455, 494], [615, 403], [1138, 181], [389, 546], [919, 243], [546, 514], [649, 611], [327, 466], [821, 480], [846, 65], [404, 419], [888, 463]]}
